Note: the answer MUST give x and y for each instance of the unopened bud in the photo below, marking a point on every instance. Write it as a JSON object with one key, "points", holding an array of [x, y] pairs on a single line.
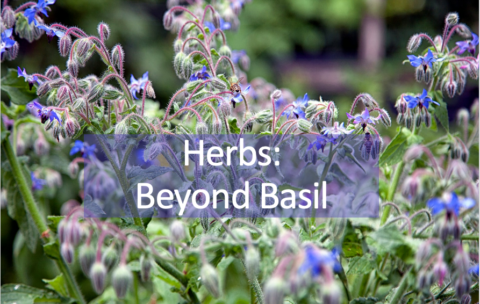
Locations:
{"points": [[217, 127], [225, 51], [168, 20], [385, 118], [274, 291], [8, 16], [414, 43], [248, 124], [418, 119], [216, 20], [121, 128], [451, 88], [225, 109], [413, 153], [73, 169], [62, 92], [79, 103], [462, 286], [264, 116], [145, 267], [400, 118], [110, 258], [103, 31], [71, 126], [51, 72], [118, 55], [304, 125], [428, 119], [210, 279], [43, 89], [419, 74], [187, 67], [98, 272], [331, 293], [83, 45], [177, 63], [41, 146], [201, 128], [276, 94], [150, 91], [177, 45], [464, 31], [12, 52], [67, 252], [86, 256], [64, 45], [218, 84], [452, 19], [466, 299], [177, 230], [121, 280], [96, 92]]}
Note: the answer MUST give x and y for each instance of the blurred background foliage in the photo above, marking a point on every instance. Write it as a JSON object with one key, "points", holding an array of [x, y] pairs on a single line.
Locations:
{"points": [[332, 48]]}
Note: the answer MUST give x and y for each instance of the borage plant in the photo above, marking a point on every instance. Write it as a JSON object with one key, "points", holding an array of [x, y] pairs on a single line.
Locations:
{"points": [[421, 248]]}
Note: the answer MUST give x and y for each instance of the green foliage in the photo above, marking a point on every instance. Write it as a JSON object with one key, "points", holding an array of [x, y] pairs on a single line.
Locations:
{"points": [[395, 151], [22, 294], [17, 88]]}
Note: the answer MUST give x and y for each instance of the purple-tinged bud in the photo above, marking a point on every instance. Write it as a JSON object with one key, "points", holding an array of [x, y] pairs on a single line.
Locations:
{"points": [[274, 291], [79, 104], [201, 128], [72, 66], [414, 43], [83, 46], [177, 63], [86, 256], [187, 67], [12, 52], [64, 45], [168, 20], [216, 20], [462, 285], [71, 126], [419, 74], [98, 272], [118, 55], [177, 230], [461, 84], [414, 152], [440, 271], [225, 51], [428, 75], [472, 70], [461, 261], [51, 72], [385, 118], [177, 45], [331, 293], [400, 118], [209, 278], [422, 280], [110, 258], [62, 92], [61, 231], [41, 146], [410, 187], [248, 125], [418, 119], [452, 19], [466, 299], [368, 101], [286, 244], [122, 278], [145, 268], [43, 89], [427, 119], [438, 41], [67, 252], [462, 116], [68, 206], [96, 92], [252, 263], [225, 109], [8, 16], [74, 232], [150, 91], [103, 30], [451, 88], [463, 31], [217, 126], [276, 94]]}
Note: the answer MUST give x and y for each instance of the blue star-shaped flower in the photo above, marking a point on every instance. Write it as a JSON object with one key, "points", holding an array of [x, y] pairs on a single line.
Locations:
{"points": [[422, 60], [203, 75], [84, 149], [315, 259], [237, 98], [43, 112], [137, 85], [28, 78], [37, 183], [40, 7], [6, 42], [297, 108], [421, 101], [362, 119], [51, 32], [223, 25], [469, 45], [321, 141], [450, 203], [336, 130]]}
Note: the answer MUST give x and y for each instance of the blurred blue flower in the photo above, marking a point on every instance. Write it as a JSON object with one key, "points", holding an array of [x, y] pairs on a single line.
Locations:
{"points": [[28, 78], [362, 119], [37, 183], [316, 259], [321, 141], [449, 202], [6, 42], [51, 32], [202, 75], [422, 60], [474, 270], [469, 45], [421, 101], [297, 108], [43, 112], [236, 55], [137, 85], [237, 98], [223, 25], [84, 149], [40, 7], [336, 130]]}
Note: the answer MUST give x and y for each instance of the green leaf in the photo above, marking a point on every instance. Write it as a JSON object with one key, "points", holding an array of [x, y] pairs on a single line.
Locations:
{"points": [[112, 94], [58, 284], [232, 122], [395, 151], [288, 186], [16, 207], [53, 221], [17, 88], [369, 300], [27, 119], [52, 250], [441, 113], [137, 175], [23, 294], [337, 173], [225, 262], [360, 265], [388, 239], [224, 79], [214, 52]]}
